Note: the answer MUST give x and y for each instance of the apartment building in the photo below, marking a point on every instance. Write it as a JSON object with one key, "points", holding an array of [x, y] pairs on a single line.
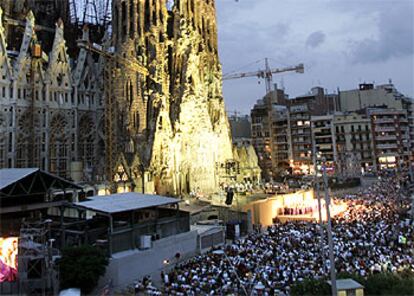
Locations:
{"points": [[261, 138], [301, 139], [262, 116], [391, 138], [324, 140], [381, 96], [353, 140], [281, 130], [354, 147], [281, 140], [301, 109], [241, 128]]}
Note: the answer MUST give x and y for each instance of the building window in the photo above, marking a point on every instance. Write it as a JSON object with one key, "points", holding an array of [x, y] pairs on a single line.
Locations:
{"points": [[2, 153], [58, 146], [44, 118], [43, 142], [86, 146], [10, 142]]}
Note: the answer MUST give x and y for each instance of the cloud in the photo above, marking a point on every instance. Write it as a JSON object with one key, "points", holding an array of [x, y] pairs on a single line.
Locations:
{"points": [[339, 42], [315, 39], [395, 36]]}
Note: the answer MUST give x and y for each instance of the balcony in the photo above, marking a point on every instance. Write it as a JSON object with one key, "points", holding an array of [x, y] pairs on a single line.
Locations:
{"points": [[384, 120], [386, 138], [387, 146], [280, 141], [385, 129], [297, 132]]}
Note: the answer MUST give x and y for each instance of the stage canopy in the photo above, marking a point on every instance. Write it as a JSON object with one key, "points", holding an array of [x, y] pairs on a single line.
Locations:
{"points": [[124, 202]]}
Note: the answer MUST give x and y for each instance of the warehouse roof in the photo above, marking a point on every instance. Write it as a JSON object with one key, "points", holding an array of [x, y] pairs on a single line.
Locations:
{"points": [[30, 178], [124, 202], [10, 176], [347, 284]]}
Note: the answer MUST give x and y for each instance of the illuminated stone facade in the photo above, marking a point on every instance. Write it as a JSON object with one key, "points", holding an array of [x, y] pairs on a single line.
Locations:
{"points": [[174, 120], [95, 119], [50, 111]]}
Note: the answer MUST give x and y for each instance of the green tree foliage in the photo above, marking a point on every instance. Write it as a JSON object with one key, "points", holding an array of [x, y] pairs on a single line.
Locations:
{"points": [[81, 267], [311, 287], [390, 284]]}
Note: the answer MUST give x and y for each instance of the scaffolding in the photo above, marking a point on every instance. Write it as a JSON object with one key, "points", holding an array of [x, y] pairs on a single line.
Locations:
{"points": [[36, 269], [93, 12]]}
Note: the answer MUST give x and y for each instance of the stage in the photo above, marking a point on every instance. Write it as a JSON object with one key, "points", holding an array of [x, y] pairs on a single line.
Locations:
{"points": [[297, 206]]}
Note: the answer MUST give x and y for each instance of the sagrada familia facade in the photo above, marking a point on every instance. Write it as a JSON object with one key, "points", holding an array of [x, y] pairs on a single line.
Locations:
{"points": [[96, 116]]}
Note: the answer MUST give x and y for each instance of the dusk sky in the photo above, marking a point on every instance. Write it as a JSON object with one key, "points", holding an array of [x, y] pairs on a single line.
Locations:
{"points": [[341, 42]]}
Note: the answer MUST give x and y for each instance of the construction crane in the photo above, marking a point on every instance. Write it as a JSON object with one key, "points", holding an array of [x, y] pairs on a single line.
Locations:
{"points": [[266, 74], [109, 55]]}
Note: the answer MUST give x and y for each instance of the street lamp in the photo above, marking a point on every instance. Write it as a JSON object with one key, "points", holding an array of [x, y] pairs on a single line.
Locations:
{"points": [[329, 228], [315, 156]]}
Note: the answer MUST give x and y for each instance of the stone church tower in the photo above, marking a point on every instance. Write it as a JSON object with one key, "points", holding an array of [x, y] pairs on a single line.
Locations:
{"points": [[173, 121], [146, 114]]}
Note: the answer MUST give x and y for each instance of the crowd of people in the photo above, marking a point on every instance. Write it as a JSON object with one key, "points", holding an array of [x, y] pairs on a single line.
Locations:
{"points": [[299, 210], [372, 235]]}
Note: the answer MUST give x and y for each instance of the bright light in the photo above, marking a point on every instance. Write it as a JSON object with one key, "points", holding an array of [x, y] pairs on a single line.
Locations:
{"points": [[8, 259], [387, 159], [102, 191], [120, 189], [300, 205]]}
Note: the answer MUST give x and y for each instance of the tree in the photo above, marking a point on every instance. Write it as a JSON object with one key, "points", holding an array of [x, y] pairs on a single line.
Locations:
{"points": [[81, 267], [390, 284], [387, 284], [311, 287]]}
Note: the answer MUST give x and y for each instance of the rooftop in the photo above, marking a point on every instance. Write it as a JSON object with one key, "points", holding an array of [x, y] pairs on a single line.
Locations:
{"points": [[347, 284], [124, 202], [10, 176]]}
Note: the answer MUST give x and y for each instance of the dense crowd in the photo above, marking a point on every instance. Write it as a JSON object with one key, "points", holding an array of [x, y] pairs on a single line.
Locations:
{"points": [[372, 235]]}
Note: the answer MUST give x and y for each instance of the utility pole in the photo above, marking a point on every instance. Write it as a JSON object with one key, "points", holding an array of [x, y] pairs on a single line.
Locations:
{"points": [[329, 228], [318, 196], [410, 166], [410, 171]]}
